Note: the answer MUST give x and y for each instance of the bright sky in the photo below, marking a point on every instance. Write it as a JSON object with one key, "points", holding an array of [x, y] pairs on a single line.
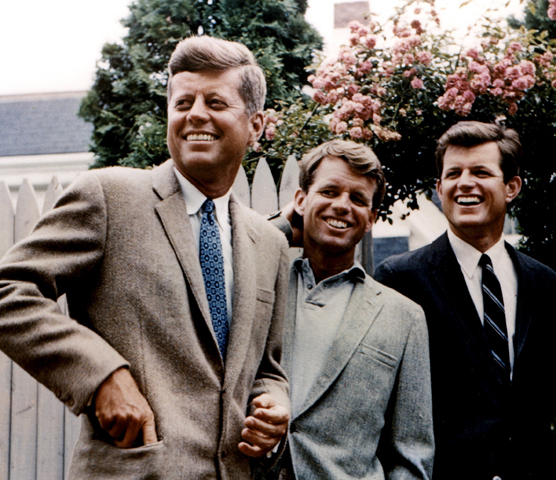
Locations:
{"points": [[53, 45]]}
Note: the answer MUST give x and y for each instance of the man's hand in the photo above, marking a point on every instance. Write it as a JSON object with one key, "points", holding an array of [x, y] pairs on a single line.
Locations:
{"points": [[296, 222], [265, 428], [123, 411]]}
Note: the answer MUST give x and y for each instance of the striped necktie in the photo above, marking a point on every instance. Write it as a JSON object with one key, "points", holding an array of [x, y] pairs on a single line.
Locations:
{"points": [[212, 266], [495, 319]]}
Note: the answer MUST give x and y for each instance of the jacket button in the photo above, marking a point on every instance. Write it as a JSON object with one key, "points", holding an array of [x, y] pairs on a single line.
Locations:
{"points": [[496, 478], [223, 454]]}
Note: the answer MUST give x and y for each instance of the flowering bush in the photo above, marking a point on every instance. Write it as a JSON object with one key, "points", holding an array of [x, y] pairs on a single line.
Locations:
{"points": [[398, 87]]}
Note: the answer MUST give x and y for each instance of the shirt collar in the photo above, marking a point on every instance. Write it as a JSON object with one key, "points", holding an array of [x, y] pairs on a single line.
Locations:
{"points": [[356, 272], [194, 199], [468, 256]]}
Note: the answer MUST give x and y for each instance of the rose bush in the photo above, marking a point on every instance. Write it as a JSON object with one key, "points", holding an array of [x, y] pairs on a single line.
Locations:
{"points": [[399, 86]]}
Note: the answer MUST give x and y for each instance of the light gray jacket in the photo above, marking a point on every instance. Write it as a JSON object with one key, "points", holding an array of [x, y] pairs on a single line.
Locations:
{"points": [[369, 414], [120, 245]]}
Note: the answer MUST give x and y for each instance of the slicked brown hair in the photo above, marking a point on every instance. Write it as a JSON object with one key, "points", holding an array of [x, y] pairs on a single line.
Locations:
{"points": [[360, 158], [195, 54], [471, 133]]}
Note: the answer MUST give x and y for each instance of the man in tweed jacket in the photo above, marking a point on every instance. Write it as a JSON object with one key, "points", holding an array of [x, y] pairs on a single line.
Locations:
{"points": [[139, 355]]}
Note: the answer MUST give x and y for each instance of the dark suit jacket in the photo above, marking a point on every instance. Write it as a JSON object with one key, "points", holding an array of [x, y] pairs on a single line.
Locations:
{"points": [[481, 428], [120, 245]]}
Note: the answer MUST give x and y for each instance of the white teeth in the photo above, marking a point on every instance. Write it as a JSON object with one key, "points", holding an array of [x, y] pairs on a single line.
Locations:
{"points": [[200, 137], [336, 223], [468, 200]]}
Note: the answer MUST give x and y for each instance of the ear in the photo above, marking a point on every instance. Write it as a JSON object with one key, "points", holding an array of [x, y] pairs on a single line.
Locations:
{"points": [[257, 121], [513, 187], [372, 218], [299, 202], [439, 188]]}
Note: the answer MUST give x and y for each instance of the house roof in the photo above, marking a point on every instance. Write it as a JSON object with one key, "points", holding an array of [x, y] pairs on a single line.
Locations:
{"points": [[40, 124]]}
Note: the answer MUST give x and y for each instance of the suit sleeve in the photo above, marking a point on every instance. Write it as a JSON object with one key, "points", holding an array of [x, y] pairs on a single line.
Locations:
{"points": [[407, 443], [61, 255]]}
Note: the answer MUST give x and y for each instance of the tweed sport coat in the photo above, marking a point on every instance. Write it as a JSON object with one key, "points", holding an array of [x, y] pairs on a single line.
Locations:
{"points": [[483, 430], [119, 244], [369, 413]]}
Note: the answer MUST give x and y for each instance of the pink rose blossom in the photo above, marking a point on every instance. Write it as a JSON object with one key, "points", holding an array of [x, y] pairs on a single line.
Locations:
{"points": [[551, 12], [512, 109], [527, 68], [352, 89], [496, 91], [417, 83], [319, 97], [356, 133], [270, 132], [341, 127], [469, 96], [424, 57], [369, 41], [473, 53]]}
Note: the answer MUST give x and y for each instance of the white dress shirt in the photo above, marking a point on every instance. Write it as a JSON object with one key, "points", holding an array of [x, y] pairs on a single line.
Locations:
{"points": [[468, 257], [194, 200]]}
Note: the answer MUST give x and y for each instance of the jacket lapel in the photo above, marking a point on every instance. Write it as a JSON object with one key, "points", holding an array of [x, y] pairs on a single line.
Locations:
{"points": [[451, 283], [172, 213], [525, 305], [244, 239], [361, 312]]}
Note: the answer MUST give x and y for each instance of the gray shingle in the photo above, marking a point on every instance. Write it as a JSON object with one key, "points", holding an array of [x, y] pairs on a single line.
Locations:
{"points": [[42, 124]]}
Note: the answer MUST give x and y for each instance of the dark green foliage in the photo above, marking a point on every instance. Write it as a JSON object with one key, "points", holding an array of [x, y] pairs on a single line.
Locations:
{"points": [[536, 18], [535, 208], [127, 104]]}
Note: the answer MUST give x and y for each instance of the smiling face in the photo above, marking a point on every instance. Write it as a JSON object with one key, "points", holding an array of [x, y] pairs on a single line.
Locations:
{"points": [[209, 129], [337, 211], [473, 193]]}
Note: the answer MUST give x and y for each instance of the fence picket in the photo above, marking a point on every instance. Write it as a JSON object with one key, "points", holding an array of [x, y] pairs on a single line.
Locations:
{"points": [[72, 425], [7, 216], [53, 192], [241, 187], [50, 436], [23, 441], [26, 212], [289, 182], [263, 192]]}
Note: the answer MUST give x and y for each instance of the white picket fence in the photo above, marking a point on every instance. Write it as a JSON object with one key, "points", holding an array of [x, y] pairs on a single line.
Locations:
{"points": [[37, 433]]}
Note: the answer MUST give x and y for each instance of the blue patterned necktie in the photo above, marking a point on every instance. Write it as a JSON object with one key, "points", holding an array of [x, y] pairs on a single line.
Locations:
{"points": [[212, 265], [495, 319]]}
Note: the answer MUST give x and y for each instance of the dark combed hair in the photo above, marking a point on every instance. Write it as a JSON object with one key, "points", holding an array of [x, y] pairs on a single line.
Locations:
{"points": [[471, 133], [195, 54], [360, 158]]}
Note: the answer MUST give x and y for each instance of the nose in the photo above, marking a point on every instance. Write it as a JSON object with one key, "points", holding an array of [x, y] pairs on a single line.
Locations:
{"points": [[466, 179], [342, 203], [198, 111]]}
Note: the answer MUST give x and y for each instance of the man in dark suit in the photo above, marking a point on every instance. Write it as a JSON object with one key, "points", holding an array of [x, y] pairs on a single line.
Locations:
{"points": [[490, 320]]}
